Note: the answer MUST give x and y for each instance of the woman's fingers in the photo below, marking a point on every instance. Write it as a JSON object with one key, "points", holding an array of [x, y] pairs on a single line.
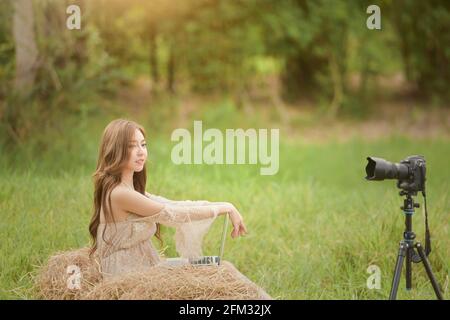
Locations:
{"points": [[243, 228], [236, 230], [239, 228]]}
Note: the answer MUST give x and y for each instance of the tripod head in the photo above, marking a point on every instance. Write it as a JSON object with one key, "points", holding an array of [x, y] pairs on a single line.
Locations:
{"points": [[408, 202]]}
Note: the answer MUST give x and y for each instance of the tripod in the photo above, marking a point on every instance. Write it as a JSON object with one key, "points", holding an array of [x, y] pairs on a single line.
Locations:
{"points": [[406, 250]]}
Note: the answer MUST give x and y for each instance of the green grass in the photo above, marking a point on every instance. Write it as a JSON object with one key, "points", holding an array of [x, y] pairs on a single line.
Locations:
{"points": [[314, 228]]}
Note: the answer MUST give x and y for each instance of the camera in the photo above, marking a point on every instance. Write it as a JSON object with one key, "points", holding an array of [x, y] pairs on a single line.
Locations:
{"points": [[410, 172]]}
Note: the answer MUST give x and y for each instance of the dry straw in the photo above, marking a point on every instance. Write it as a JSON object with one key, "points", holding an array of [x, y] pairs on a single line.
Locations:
{"points": [[158, 282]]}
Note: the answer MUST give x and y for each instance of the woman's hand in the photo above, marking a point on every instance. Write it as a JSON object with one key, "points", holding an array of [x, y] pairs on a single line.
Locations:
{"points": [[239, 228]]}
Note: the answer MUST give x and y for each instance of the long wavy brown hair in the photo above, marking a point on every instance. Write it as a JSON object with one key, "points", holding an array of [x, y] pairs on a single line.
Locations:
{"points": [[113, 156]]}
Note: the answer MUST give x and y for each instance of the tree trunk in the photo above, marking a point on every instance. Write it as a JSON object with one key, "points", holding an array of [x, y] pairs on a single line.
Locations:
{"points": [[25, 46], [171, 71], [338, 90], [153, 57]]}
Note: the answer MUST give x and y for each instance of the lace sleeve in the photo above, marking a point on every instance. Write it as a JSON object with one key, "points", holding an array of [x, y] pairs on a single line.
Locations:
{"points": [[164, 200], [175, 215]]}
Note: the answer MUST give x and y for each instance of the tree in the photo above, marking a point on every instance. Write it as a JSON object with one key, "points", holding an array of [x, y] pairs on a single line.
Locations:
{"points": [[25, 46]]}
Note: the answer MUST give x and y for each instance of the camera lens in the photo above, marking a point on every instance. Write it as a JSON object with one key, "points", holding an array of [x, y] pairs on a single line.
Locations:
{"points": [[380, 169]]}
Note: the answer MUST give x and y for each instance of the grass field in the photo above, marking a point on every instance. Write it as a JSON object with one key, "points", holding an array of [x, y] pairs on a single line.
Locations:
{"points": [[314, 228]]}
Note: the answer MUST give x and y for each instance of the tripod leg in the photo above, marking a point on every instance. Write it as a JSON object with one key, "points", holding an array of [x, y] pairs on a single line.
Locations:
{"points": [[398, 271], [409, 252], [430, 274]]}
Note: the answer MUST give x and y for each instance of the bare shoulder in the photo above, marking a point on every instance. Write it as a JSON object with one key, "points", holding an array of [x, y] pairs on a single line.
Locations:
{"points": [[127, 200], [122, 199], [120, 193], [117, 195]]}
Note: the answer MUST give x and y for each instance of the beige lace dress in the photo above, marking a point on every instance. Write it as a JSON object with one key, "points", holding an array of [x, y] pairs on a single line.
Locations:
{"points": [[127, 247]]}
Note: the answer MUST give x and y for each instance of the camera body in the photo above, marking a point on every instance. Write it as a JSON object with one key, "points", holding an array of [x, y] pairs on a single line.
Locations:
{"points": [[417, 173], [409, 172]]}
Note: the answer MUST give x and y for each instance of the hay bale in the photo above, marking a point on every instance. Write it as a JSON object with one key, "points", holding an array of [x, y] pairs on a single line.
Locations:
{"points": [[158, 282], [51, 282]]}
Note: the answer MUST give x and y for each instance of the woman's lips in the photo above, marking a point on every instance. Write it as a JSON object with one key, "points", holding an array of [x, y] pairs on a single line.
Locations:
{"points": [[140, 162]]}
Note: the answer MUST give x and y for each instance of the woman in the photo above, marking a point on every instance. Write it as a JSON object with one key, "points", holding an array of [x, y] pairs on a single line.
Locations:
{"points": [[126, 216]]}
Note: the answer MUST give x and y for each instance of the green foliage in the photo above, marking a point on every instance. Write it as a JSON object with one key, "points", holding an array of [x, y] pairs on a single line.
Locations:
{"points": [[424, 41], [317, 48]]}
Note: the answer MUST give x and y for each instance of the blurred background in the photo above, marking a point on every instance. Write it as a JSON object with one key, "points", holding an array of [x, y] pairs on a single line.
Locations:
{"points": [[337, 91]]}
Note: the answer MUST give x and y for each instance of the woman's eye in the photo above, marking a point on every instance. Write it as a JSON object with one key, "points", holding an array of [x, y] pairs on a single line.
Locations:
{"points": [[144, 145]]}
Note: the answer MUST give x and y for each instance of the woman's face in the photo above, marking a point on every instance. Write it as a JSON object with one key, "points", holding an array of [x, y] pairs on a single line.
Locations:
{"points": [[138, 152]]}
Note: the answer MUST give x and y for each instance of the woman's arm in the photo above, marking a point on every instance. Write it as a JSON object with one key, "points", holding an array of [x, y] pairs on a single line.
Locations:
{"points": [[239, 227], [167, 213], [153, 211]]}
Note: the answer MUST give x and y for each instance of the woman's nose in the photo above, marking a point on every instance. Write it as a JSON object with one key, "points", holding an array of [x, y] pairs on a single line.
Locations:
{"points": [[141, 150]]}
